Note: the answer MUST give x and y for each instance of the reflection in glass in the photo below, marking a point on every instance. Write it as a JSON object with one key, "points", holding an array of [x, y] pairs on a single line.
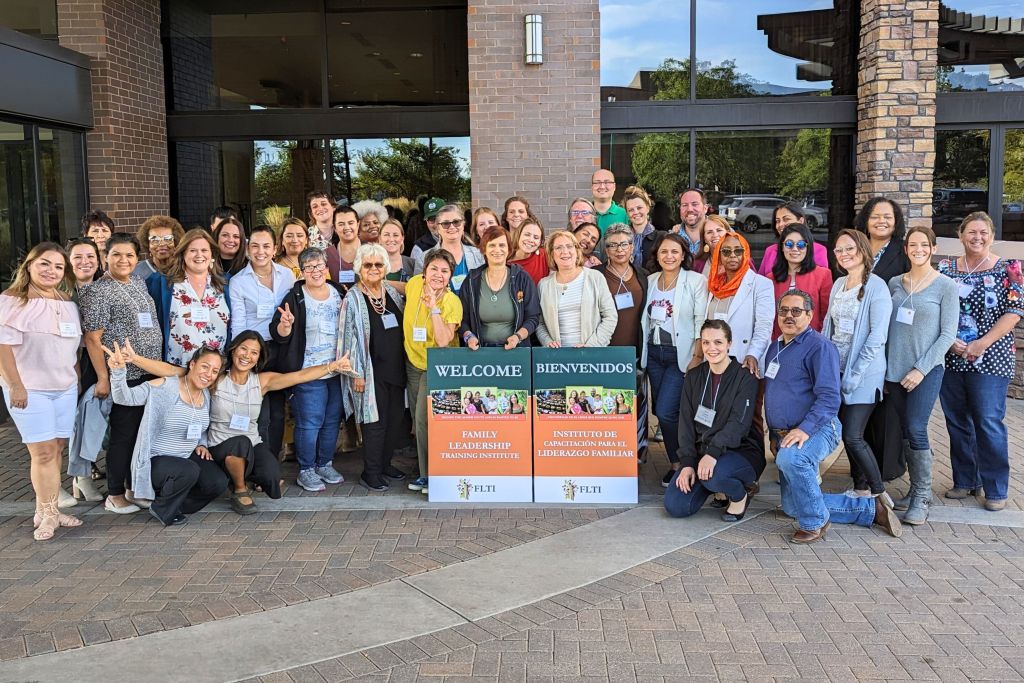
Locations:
{"points": [[229, 54], [389, 57], [658, 162], [777, 47], [961, 178], [35, 17], [641, 38], [1013, 185], [17, 196], [981, 46], [62, 183]]}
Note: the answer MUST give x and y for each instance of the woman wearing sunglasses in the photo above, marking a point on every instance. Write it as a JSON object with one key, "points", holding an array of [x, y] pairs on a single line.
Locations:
{"points": [[797, 270]]}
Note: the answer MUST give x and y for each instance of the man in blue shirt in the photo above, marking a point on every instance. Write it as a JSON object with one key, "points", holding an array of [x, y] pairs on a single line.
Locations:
{"points": [[801, 405]]}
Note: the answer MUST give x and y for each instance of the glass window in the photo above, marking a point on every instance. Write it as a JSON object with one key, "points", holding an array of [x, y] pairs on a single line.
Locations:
{"points": [[777, 47], [745, 175], [658, 162], [233, 54], [401, 169], [18, 216], [1013, 185], [396, 56], [61, 183], [34, 17], [981, 46], [961, 178], [645, 50]]}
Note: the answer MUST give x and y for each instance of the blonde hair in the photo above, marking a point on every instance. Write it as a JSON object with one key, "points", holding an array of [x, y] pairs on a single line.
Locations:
{"points": [[551, 253], [23, 279], [636, 192], [291, 220], [976, 216]]}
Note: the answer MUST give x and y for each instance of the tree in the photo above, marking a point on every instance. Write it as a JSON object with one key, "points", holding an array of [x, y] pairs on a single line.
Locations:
{"points": [[409, 168], [1013, 160], [273, 174], [962, 159], [803, 164]]}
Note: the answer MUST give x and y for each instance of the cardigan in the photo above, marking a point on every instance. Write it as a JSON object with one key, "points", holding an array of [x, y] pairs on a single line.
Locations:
{"points": [[688, 307], [355, 340], [598, 315], [733, 429], [864, 378], [750, 316], [159, 400], [524, 300]]}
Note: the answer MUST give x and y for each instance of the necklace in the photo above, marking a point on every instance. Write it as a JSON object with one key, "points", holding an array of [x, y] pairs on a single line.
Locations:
{"points": [[377, 303], [57, 296], [978, 265], [494, 293], [670, 286]]}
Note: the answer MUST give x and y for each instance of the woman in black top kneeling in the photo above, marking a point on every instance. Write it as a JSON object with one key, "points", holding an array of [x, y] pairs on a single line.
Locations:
{"points": [[720, 451]]}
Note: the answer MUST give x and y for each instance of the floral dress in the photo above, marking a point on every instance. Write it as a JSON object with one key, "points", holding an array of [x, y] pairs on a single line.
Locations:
{"points": [[196, 321]]}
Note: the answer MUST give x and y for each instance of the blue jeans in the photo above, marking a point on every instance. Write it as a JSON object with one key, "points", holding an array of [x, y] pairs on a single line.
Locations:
{"points": [[317, 409], [666, 391], [732, 474], [915, 407], [842, 509], [975, 405], [802, 498]]}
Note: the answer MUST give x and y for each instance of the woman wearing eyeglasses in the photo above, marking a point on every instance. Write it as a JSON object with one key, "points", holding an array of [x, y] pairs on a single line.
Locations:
{"points": [[797, 270], [499, 301], [626, 281], [783, 216], [306, 327], [451, 233], [158, 236], [858, 324]]}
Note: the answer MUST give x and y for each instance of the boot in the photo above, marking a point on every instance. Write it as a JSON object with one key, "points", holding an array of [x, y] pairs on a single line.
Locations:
{"points": [[904, 502], [84, 488], [65, 499], [919, 463]]}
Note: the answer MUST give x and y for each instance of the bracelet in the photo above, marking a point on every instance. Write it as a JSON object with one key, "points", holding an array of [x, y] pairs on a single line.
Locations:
{"points": [[435, 311], [467, 336]]}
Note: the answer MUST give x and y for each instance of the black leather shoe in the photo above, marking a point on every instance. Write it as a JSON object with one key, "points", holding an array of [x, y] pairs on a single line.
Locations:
{"points": [[736, 516], [178, 519], [393, 473], [374, 483]]}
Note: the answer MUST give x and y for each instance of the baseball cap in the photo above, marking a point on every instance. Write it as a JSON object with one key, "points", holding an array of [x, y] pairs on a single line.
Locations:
{"points": [[432, 206]]}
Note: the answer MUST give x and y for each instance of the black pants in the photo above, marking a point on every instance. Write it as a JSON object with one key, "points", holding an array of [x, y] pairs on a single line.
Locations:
{"points": [[271, 420], [261, 466], [380, 438], [124, 429], [863, 465], [184, 484]]}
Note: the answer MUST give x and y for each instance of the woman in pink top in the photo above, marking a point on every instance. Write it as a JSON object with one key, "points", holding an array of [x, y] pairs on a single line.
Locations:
{"points": [[40, 333], [797, 270], [784, 215]]}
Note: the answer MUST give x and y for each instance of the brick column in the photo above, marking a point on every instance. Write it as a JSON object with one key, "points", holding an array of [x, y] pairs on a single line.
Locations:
{"points": [[534, 130], [127, 146], [896, 104]]}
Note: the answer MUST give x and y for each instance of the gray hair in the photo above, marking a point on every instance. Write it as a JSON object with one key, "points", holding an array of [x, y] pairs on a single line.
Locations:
{"points": [[808, 301], [369, 206], [371, 249], [310, 254], [618, 229]]}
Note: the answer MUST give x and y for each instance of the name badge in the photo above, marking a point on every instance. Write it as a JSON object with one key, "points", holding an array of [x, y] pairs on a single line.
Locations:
{"points": [[328, 327], [846, 326], [145, 320], [346, 277], [419, 334], [264, 311], [240, 423], [194, 432], [68, 330], [722, 316], [390, 321], [659, 314], [705, 416], [965, 289], [200, 314], [772, 369], [905, 315], [624, 300]]}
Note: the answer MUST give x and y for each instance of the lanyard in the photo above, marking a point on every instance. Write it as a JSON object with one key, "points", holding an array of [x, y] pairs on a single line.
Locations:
{"points": [[622, 280], [782, 349], [247, 388], [123, 289], [191, 401], [714, 393], [914, 288]]}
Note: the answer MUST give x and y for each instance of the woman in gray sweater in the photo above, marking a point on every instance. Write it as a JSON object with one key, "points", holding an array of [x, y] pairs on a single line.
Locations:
{"points": [[925, 309]]}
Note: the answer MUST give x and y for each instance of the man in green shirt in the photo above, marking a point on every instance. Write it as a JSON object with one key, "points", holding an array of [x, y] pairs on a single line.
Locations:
{"points": [[602, 185]]}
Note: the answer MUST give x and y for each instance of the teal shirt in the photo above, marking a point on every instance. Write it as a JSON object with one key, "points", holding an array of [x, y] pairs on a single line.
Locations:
{"points": [[615, 214]]}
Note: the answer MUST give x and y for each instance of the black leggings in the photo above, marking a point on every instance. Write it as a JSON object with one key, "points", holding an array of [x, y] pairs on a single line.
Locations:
{"points": [[863, 465], [261, 466], [184, 484]]}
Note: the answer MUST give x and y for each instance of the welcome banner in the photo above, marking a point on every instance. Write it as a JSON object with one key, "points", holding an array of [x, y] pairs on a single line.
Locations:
{"points": [[584, 425], [478, 409]]}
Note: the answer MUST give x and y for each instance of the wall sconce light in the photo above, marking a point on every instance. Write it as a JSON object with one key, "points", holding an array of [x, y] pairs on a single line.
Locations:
{"points": [[534, 39]]}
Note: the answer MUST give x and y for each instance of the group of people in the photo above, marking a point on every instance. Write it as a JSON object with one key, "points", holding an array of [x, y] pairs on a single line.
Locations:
{"points": [[224, 344]]}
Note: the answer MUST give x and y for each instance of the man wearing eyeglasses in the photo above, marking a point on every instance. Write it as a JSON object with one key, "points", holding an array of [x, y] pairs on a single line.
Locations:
{"points": [[602, 187], [801, 404], [159, 236]]}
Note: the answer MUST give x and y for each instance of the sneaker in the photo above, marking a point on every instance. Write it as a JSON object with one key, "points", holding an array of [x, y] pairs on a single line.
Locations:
{"points": [[375, 484], [310, 481], [424, 489], [419, 484], [329, 474], [657, 435], [858, 493], [393, 473], [667, 479]]}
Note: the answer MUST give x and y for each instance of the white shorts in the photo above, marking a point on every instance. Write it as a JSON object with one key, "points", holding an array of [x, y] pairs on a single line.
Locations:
{"points": [[48, 414]]}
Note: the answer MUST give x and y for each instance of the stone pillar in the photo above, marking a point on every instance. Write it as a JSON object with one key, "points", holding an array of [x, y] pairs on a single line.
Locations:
{"points": [[534, 130], [896, 104], [127, 146]]}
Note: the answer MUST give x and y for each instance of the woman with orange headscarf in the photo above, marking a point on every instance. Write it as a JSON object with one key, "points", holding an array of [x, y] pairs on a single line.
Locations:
{"points": [[742, 298]]}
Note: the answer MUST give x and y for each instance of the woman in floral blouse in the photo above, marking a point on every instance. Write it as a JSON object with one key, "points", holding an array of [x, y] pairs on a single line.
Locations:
{"points": [[192, 299], [981, 363]]}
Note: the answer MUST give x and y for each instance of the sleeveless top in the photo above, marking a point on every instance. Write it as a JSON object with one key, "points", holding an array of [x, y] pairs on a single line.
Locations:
{"points": [[238, 401]]}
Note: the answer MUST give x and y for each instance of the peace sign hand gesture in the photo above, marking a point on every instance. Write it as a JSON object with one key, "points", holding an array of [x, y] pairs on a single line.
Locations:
{"points": [[115, 358], [287, 317]]}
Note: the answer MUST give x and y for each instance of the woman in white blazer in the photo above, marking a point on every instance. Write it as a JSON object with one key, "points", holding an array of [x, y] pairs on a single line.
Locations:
{"points": [[742, 298], [671, 320], [576, 306]]}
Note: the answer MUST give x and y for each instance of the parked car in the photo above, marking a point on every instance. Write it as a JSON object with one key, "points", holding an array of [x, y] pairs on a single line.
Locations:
{"points": [[955, 203], [752, 212], [816, 217]]}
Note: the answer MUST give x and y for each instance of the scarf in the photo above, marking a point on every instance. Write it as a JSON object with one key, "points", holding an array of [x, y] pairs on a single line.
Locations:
{"points": [[719, 286]]}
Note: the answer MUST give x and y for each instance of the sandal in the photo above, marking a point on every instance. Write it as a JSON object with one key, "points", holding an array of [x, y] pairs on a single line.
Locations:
{"points": [[97, 473], [242, 508], [48, 517]]}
